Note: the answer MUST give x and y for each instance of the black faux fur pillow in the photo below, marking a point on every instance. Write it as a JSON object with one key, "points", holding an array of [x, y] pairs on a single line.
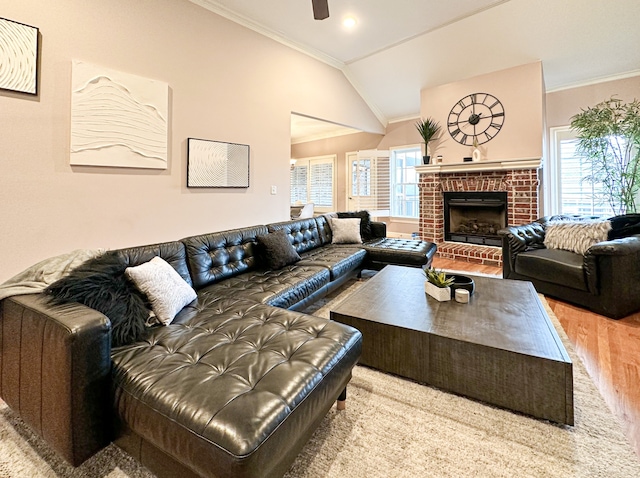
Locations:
{"points": [[277, 250], [624, 226], [101, 284]]}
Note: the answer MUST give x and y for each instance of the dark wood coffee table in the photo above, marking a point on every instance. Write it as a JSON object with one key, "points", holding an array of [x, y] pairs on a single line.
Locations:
{"points": [[500, 348]]}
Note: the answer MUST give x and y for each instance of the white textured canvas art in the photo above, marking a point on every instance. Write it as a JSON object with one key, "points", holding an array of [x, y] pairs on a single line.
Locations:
{"points": [[18, 57], [217, 164], [117, 119]]}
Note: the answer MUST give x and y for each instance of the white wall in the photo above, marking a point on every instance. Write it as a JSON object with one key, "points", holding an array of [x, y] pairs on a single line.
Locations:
{"points": [[226, 83]]}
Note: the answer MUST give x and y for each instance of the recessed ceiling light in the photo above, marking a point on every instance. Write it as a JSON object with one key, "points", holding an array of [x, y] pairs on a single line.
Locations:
{"points": [[349, 22]]}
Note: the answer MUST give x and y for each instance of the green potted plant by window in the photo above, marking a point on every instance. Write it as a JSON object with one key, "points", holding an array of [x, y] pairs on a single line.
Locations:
{"points": [[428, 129], [438, 284], [609, 137]]}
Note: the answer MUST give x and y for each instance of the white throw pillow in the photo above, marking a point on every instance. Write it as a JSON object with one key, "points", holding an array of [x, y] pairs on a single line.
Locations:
{"points": [[346, 231], [575, 236], [166, 290]]}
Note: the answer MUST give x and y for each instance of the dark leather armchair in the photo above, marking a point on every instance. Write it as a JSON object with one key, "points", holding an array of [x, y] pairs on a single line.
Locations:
{"points": [[606, 279]]}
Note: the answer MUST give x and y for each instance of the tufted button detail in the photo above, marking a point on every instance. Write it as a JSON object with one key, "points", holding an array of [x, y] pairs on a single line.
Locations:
{"points": [[232, 356]]}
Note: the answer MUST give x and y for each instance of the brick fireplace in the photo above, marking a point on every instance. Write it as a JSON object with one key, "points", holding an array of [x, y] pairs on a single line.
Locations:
{"points": [[518, 178]]}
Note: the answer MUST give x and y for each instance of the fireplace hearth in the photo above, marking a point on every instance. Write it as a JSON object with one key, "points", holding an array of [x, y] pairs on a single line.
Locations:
{"points": [[517, 177], [475, 217]]}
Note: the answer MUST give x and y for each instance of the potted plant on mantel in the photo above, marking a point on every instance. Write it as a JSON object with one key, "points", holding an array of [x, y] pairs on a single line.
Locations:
{"points": [[428, 129], [609, 137], [437, 284]]}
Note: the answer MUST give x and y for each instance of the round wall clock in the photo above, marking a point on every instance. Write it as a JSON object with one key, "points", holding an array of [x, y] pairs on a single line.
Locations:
{"points": [[477, 117]]}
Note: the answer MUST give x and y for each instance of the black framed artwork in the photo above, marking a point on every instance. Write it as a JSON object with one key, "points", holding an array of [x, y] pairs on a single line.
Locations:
{"points": [[217, 164], [18, 57]]}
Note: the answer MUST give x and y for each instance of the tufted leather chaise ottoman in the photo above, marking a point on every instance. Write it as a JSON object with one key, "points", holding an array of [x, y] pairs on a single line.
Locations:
{"points": [[236, 385], [187, 391], [389, 250]]}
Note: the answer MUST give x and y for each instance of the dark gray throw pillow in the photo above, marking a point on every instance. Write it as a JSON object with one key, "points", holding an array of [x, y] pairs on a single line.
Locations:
{"points": [[365, 222], [277, 250], [101, 284]]}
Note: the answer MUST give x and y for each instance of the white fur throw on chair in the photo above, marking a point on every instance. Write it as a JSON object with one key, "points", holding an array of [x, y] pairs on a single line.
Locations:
{"points": [[575, 236]]}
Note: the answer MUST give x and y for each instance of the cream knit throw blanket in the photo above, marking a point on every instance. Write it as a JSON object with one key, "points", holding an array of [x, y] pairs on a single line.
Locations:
{"points": [[37, 277]]}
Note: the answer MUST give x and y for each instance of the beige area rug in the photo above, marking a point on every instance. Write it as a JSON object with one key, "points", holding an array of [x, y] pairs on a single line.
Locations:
{"points": [[397, 428]]}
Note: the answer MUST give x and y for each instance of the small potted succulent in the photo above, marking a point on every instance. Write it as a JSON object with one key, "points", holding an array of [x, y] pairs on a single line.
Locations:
{"points": [[438, 284], [428, 129]]}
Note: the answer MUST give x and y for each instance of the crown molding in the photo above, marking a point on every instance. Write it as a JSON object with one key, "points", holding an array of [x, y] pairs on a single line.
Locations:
{"points": [[370, 103], [595, 81], [223, 11], [316, 137], [400, 119]]}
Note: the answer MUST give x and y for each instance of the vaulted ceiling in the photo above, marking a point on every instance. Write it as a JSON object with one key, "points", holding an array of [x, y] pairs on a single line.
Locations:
{"points": [[398, 47]]}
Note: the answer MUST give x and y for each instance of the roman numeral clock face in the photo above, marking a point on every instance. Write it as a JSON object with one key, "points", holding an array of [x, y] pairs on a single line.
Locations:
{"points": [[477, 116]]}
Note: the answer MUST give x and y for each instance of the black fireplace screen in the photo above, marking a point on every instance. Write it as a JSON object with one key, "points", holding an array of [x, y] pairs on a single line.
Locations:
{"points": [[475, 217]]}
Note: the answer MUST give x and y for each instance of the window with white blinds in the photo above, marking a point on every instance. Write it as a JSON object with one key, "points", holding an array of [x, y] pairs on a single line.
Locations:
{"points": [[405, 197], [321, 184], [361, 177], [299, 187], [568, 190], [369, 177], [312, 181]]}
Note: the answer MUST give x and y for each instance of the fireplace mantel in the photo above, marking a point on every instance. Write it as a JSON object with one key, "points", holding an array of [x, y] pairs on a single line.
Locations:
{"points": [[488, 165]]}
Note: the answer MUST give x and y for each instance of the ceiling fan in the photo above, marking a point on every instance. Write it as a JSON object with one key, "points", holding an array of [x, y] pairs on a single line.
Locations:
{"points": [[320, 9]]}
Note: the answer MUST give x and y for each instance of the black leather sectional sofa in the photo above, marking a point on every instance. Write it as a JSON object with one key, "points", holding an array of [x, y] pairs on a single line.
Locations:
{"points": [[233, 387]]}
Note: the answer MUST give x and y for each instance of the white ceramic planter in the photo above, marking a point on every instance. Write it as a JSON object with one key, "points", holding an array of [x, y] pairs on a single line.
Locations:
{"points": [[438, 293]]}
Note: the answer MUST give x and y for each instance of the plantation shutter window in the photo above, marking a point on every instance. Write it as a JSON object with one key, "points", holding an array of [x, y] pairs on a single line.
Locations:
{"points": [[370, 186], [313, 181], [567, 192], [321, 184], [405, 197], [299, 179]]}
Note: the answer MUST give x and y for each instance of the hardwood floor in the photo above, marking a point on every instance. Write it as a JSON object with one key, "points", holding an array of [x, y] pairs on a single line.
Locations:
{"points": [[609, 349]]}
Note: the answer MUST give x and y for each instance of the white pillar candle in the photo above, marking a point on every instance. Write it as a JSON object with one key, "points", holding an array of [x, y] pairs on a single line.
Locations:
{"points": [[462, 296]]}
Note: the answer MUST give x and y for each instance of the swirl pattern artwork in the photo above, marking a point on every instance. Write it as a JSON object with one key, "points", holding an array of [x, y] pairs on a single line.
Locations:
{"points": [[217, 164], [18, 57]]}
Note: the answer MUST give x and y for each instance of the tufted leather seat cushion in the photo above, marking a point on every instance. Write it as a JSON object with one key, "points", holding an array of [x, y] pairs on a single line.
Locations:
{"points": [[324, 228], [172, 252], [230, 390], [282, 288], [528, 235], [220, 255], [400, 251], [553, 265], [340, 260], [303, 233]]}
